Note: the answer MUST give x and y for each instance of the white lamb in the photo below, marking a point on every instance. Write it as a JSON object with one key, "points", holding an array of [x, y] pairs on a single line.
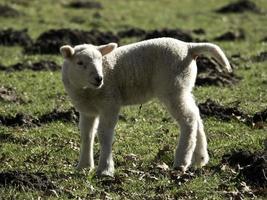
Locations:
{"points": [[101, 79]]}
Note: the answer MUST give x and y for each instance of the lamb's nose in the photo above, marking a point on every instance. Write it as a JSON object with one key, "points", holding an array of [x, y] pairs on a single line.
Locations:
{"points": [[98, 79]]}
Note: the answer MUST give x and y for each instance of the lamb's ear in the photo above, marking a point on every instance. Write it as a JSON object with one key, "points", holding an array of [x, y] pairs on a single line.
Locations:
{"points": [[67, 51], [107, 48]]}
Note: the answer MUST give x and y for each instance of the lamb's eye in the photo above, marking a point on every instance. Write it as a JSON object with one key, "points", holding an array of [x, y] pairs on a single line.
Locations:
{"points": [[80, 63]]}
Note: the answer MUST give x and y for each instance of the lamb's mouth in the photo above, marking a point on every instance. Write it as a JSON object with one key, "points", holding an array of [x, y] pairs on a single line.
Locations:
{"points": [[97, 85]]}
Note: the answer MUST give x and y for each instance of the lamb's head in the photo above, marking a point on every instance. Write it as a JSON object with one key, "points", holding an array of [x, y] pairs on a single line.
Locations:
{"points": [[84, 64]]}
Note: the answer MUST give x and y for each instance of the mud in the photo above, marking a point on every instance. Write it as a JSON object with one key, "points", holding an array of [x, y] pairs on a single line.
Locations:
{"points": [[231, 36], [251, 166], [11, 37], [23, 180], [24, 120], [173, 33], [258, 119], [85, 4], [18, 120], [262, 57], [212, 109], [5, 138], [36, 66], [49, 42], [209, 73], [131, 32], [9, 95], [56, 115], [240, 6], [7, 11]]}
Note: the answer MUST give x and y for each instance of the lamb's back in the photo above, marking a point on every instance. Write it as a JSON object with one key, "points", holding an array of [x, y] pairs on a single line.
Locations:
{"points": [[136, 67]]}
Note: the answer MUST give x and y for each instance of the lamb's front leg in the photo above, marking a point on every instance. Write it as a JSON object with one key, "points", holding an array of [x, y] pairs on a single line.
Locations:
{"points": [[107, 123], [88, 126]]}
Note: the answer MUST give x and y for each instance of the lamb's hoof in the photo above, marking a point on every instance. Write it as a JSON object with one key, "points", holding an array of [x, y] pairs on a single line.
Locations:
{"points": [[180, 168], [200, 160], [108, 173], [81, 166]]}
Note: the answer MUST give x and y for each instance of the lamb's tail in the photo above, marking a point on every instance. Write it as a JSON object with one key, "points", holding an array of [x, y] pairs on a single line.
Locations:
{"points": [[212, 50]]}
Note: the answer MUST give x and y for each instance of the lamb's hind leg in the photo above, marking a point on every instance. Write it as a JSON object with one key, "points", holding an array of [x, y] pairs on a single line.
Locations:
{"points": [[200, 156], [183, 108]]}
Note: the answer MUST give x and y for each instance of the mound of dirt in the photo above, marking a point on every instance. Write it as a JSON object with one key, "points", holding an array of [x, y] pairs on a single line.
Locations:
{"points": [[11, 37], [10, 138], [49, 42], [37, 66], [213, 109], [18, 120], [209, 73], [24, 120], [262, 57], [240, 7], [231, 36], [9, 95], [251, 166], [56, 115], [131, 32], [199, 31], [38, 181], [85, 4], [258, 118], [7, 11], [173, 33]]}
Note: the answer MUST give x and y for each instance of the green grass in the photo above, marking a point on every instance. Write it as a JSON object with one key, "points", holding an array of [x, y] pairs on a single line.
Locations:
{"points": [[54, 148]]}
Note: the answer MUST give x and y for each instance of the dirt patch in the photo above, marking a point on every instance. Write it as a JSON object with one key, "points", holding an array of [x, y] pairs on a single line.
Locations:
{"points": [[251, 166], [7, 11], [131, 32], [11, 37], [85, 4], [5, 138], [18, 120], [24, 120], [9, 95], [173, 33], [213, 109], [56, 115], [38, 181], [262, 57], [209, 73], [199, 31], [240, 6], [231, 36], [49, 42], [36, 66]]}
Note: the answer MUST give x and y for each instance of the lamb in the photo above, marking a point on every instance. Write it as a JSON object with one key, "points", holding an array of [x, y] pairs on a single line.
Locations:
{"points": [[101, 79]]}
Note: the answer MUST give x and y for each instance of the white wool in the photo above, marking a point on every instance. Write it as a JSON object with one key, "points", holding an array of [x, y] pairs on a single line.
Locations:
{"points": [[101, 79]]}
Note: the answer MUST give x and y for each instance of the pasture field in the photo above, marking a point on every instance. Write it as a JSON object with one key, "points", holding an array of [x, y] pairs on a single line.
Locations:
{"points": [[39, 139]]}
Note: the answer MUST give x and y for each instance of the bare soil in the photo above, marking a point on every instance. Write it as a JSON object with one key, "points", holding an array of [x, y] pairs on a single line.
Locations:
{"points": [[11, 37], [240, 6], [85, 4], [210, 73], [231, 36], [49, 42], [251, 166]]}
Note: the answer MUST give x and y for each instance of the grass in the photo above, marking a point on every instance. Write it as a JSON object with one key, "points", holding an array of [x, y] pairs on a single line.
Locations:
{"points": [[53, 148]]}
